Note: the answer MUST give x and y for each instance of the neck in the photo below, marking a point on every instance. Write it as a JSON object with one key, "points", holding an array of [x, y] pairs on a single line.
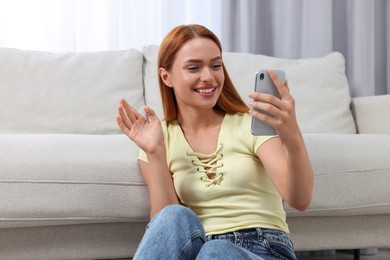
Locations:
{"points": [[196, 120]]}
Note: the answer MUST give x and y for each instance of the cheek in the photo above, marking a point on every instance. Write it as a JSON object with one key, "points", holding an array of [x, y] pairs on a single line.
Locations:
{"points": [[184, 79], [220, 78]]}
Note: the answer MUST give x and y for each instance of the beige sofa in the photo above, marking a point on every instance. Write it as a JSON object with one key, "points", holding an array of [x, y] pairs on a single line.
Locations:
{"points": [[70, 186]]}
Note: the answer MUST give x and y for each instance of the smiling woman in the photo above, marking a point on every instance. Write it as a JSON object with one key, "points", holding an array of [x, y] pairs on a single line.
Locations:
{"points": [[97, 25], [212, 184]]}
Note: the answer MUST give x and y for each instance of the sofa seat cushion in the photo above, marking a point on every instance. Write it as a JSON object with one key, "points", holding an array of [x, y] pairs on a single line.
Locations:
{"points": [[67, 92], [352, 175], [78, 179], [70, 179], [319, 86]]}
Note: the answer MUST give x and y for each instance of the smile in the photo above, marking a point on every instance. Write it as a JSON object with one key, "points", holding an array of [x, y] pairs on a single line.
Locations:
{"points": [[205, 91]]}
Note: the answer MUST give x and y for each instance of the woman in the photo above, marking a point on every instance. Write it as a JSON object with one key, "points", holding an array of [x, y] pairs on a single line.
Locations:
{"points": [[216, 191]]}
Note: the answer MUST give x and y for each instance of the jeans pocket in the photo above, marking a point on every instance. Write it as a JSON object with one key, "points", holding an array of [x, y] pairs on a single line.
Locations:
{"points": [[279, 244]]}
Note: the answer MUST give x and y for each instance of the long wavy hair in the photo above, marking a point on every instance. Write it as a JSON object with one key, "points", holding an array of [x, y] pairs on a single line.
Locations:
{"points": [[228, 102]]}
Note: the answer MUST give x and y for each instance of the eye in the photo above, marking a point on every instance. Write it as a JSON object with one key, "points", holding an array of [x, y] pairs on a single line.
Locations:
{"points": [[192, 68], [216, 66]]}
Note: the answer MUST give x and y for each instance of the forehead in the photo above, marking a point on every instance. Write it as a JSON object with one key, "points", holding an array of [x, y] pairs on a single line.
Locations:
{"points": [[198, 48]]}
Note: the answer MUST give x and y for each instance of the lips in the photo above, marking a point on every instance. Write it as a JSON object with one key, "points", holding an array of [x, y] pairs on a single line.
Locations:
{"points": [[205, 90]]}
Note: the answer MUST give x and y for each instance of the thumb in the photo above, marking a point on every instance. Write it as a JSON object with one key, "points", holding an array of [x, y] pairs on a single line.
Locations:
{"points": [[151, 114]]}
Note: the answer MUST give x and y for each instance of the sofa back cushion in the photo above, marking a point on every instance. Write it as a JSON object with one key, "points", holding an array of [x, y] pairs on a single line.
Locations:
{"points": [[319, 86], [67, 93]]}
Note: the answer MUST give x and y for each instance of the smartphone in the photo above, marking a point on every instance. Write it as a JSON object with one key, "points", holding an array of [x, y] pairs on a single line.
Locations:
{"points": [[264, 84]]}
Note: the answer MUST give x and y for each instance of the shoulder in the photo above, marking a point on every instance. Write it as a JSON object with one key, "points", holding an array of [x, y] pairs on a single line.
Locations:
{"points": [[238, 119], [172, 134], [240, 124], [170, 128]]}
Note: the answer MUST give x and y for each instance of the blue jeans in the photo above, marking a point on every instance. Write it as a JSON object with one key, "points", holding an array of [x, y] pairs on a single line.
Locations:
{"points": [[177, 233]]}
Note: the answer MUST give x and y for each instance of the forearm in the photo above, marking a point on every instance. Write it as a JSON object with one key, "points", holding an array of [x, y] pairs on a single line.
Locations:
{"points": [[160, 183], [299, 181]]}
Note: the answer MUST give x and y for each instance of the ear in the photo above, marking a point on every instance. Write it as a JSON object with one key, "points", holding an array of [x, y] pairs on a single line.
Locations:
{"points": [[165, 76]]}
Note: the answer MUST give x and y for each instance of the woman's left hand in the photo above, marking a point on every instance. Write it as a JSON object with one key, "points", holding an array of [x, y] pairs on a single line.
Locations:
{"points": [[283, 117]]}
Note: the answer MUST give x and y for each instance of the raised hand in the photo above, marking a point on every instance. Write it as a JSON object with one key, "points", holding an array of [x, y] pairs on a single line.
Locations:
{"points": [[146, 134], [283, 117]]}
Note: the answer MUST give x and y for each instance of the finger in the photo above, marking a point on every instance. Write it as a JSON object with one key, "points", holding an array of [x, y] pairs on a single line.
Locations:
{"points": [[287, 86], [128, 110], [125, 120], [131, 111], [288, 97], [282, 89], [122, 126], [266, 98], [268, 119], [267, 108], [151, 114]]}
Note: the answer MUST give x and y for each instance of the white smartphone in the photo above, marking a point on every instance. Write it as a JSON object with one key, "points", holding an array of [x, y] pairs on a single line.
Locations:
{"points": [[264, 84]]}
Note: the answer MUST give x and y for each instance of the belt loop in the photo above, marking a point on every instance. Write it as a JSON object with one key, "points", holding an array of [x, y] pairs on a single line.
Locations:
{"points": [[235, 237], [260, 234]]}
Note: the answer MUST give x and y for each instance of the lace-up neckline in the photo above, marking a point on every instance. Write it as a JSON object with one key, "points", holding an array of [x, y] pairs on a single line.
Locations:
{"points": [[207, 165]]}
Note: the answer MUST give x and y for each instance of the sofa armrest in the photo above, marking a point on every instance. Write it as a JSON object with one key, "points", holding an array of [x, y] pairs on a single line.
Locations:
{"points": [[371, 114]]}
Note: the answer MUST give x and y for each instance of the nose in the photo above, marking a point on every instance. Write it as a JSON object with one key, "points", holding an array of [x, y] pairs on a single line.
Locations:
{"points": [[206, 74]]}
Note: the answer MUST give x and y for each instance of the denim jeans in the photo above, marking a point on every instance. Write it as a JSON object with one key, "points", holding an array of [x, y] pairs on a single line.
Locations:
{"points": [[177, 233]]}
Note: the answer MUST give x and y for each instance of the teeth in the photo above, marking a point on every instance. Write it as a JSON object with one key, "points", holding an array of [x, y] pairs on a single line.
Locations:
{"points": [[205, 90]]}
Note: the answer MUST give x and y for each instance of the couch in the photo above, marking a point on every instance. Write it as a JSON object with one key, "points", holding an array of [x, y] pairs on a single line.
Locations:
{"points": [[70, 184]]}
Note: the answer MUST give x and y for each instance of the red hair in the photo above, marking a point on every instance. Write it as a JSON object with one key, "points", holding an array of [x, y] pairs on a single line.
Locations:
{"points": [[228, 102]]}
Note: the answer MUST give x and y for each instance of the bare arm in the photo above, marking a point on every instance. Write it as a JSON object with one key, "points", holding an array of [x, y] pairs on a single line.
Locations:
{"points": [[148, 136], [160, 184], [285, 159], [289, 170]]}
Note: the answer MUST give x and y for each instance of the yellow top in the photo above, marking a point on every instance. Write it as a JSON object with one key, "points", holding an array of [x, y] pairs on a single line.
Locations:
{"points": [[240, 195]]}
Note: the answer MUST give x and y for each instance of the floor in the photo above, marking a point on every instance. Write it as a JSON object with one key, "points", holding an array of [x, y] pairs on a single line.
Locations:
{"points": [[345, 255]]}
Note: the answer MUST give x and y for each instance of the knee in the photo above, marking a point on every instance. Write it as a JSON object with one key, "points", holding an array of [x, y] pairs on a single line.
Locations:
{"points": [[178, 216], [175, 211]]}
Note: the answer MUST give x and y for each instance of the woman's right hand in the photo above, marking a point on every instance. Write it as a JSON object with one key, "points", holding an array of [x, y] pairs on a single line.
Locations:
{"points": [[146, 134]]}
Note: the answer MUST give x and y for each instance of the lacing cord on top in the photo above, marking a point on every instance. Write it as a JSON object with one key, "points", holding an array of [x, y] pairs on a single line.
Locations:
{"points": [[214, 181], [208, 166]]}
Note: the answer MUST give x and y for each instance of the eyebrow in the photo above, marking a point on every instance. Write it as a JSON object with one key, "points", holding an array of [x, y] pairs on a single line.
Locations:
{"points": [[200, 61]]}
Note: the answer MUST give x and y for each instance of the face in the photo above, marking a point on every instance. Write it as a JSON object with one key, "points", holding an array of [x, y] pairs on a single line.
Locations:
{"points": [[197, 75]]}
